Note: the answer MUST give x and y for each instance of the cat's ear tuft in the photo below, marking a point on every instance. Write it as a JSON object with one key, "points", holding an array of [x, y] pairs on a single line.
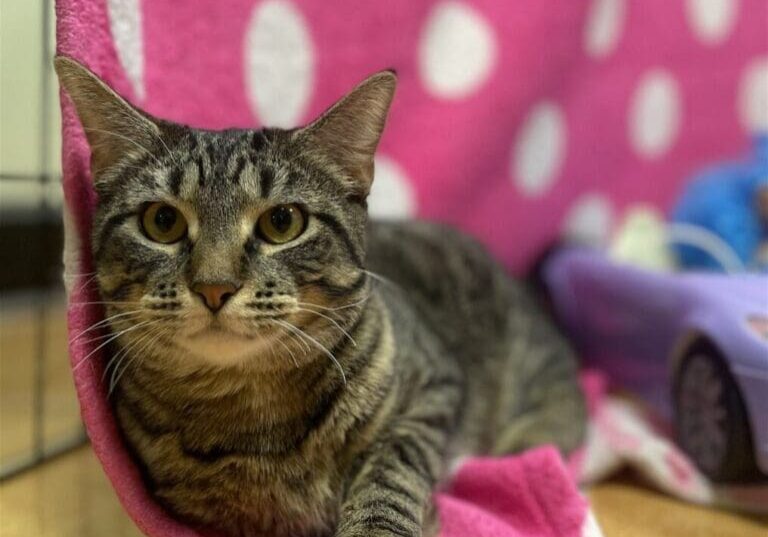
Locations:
{"points": [[350, 130], [112, 126]]}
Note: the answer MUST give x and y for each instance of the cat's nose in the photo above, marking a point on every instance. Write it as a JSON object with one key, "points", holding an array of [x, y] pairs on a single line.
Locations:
{"points": [[215, 294]]}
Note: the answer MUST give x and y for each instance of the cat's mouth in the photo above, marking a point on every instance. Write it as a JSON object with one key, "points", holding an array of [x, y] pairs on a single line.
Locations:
{"points": [[219, 332], [219, 345], [215, 331]]}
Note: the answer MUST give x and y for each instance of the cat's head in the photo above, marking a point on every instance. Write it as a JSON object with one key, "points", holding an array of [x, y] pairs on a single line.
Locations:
{"points": [[219, 246]]}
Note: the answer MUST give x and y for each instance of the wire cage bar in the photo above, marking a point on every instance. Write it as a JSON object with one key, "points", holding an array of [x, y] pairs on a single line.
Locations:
{"points": [[39, 416]]}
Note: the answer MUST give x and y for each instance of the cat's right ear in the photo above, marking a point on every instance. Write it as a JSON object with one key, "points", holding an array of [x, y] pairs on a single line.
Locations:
{"points": [[113, 127]]}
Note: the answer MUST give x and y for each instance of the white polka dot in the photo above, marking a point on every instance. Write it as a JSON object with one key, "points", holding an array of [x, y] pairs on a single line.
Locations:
{"points": [[753, 96], [391, 195], [125, 25], [540, 149], [604, 27], [278, 63], [457, 50], [712, 20], [589, 220], [654, 115]]}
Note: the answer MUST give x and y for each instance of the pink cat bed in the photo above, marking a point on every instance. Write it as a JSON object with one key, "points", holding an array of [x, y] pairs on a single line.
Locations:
{"points": [[499, 102]]}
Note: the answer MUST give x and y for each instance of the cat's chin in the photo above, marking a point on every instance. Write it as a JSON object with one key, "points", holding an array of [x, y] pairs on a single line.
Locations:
{"points": [[219, 347]]}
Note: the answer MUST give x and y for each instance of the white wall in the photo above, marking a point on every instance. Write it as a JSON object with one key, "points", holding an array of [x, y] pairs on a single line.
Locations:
{"points": [[25, 154]]}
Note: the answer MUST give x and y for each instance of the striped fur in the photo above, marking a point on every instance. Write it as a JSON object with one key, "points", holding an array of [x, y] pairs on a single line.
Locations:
{"points": [[331, 392]]}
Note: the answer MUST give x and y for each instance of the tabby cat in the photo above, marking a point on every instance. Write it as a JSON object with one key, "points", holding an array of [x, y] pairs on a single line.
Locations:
{"points": [[283, 367]]}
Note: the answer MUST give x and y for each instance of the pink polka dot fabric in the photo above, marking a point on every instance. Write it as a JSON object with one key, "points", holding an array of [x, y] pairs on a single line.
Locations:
{"points": [[510, 116], [516, 121]]}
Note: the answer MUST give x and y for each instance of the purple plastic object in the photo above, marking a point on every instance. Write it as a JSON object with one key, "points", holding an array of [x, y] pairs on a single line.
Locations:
{"points": [[638, 326]]}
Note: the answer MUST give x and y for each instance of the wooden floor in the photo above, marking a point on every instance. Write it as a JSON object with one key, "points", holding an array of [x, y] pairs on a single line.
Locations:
{"points": [[626, 509], [33, 348], [70, 497]]}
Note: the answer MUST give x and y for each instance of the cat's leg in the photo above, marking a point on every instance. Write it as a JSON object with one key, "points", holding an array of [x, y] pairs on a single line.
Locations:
{"points": [[542, 402], [389, 494]]}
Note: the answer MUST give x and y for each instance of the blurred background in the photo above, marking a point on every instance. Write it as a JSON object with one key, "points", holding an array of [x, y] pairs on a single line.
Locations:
{"points": [[39, 415], [38, 410], [546, 122]]}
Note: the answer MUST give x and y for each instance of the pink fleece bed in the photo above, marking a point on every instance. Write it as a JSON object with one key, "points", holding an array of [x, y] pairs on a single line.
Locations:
{"points": [[517, 121]]}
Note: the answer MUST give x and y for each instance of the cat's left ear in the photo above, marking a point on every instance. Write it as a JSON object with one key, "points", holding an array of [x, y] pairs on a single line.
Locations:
{"points": [[350, 130], [112, 126]]}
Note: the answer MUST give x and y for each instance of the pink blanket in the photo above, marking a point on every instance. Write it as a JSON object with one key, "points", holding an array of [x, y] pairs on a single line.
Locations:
{"points": [[531, 495], [517, 121]]}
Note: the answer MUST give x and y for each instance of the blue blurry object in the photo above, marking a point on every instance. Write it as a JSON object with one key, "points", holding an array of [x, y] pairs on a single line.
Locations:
{"points": [[724, 200]]}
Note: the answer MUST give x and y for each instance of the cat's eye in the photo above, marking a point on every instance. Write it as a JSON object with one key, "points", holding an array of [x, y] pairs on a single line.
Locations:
{"points": [[281, 223], [163, 223]]}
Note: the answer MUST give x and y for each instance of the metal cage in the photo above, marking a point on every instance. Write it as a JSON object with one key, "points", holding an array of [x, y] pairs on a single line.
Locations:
{"points": [[39, 415]]}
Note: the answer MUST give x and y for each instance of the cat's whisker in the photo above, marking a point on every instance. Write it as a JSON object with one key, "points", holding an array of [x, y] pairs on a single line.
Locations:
{"points": [[382, 279], [97, 338], [338, 308], [156, 335], [270, 347], [310, 305], [73, 275], [117, 358], [85, 283], [303, 345], [105, 302], [301, 333], [133, 343], [115, 380], [290, 352], [113, 337], [354, 304], [110, 336], [103, 322], [333, 322]]}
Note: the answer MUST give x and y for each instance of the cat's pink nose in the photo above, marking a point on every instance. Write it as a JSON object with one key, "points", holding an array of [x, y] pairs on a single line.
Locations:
{"points": [[215, 294]]}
